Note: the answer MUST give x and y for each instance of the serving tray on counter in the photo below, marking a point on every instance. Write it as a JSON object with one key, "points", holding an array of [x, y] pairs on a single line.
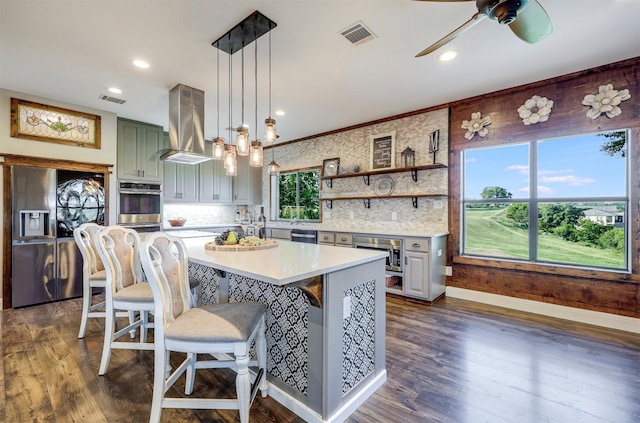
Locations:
{"points": [[237, 247]]}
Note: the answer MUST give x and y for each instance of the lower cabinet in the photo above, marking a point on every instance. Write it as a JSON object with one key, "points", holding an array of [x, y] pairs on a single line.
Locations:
{"points": [[339, 239], [424, 267]]}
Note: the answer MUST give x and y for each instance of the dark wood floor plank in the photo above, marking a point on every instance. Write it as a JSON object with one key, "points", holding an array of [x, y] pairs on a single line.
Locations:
{"points": [[455, 361]]}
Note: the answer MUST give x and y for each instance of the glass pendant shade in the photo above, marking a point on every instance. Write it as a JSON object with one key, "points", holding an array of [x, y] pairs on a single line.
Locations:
{"points": [[218, 148], [269, 130], [242, 141], [230, 160], [256, 156], [273, 167]]}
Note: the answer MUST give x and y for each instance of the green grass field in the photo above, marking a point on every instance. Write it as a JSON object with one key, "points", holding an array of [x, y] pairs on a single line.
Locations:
{"points": [[489, 233]]}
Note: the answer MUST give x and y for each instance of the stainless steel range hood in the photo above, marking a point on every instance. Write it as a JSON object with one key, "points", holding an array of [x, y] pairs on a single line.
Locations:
{"points": [[186, 126]]}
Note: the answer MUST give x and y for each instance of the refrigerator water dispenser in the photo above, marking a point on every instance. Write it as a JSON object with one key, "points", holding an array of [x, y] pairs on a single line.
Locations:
{"points": [[34, 223]]}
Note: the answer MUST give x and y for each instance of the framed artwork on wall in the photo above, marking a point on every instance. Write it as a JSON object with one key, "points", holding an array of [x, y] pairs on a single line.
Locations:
{"points": [[383, 151], [330, 167], [39, 122]]}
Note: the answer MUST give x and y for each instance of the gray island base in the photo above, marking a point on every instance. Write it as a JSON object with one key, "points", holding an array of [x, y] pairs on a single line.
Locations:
{"points": [[325, 319]]}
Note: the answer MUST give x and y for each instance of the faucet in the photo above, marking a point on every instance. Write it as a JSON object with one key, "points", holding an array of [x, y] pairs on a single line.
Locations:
{"points": [[292, 220]]}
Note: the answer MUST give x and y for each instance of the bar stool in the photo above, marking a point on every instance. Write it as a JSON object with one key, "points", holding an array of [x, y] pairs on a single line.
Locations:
{"points": [[221, 330], [125, 290], [93, 275]]}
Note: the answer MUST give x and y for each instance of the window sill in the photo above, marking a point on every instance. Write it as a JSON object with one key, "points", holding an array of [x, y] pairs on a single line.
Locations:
{"points": [[611, 275]]}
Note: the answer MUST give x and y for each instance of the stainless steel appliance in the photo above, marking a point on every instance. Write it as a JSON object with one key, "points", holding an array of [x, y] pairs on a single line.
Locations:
{"points": [[392, 245], [304, 235], [140, 205], [47, 204]]}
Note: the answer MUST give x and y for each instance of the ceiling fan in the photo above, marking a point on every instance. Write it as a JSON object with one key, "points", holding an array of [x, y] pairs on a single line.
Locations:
{"points": [[526, 18]]}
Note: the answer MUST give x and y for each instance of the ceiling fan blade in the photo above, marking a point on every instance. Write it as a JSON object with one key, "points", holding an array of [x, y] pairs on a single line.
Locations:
{"points": [[532, 24], [453, 34]]}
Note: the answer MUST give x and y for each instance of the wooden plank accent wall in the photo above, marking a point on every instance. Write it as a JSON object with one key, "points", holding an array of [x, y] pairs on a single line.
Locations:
{"points": [[611, 292]]}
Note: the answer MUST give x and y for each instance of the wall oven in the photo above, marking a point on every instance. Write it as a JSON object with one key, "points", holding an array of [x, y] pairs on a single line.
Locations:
{"points": [[392, 246], [140, 205]]}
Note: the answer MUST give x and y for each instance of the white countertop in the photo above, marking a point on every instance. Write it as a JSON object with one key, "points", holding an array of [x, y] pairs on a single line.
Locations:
{"points": [[365, 231], [288, 262]]}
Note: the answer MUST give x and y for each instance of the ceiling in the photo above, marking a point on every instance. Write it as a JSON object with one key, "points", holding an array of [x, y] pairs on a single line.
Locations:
{"points": [[73, 50]]}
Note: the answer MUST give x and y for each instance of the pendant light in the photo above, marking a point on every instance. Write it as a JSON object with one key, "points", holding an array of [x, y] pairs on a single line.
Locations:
{"points": [[269, 124], [256, 156], [230, 159], [273, 166], [242, 133], [218, 143]]}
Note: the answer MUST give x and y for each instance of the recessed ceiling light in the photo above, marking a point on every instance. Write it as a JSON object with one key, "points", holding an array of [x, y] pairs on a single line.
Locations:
{"points": [[141, 64], [115, 90], [280, 112], [448, 55]]}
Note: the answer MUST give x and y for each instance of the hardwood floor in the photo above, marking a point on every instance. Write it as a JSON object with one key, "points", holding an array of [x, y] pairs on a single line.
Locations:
{"points": [[456, 361]]}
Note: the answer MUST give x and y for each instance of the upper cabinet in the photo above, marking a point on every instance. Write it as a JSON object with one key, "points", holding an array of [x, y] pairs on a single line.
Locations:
{"points": [[247, 184], [138, 146], [180, 183], [215, 185]]}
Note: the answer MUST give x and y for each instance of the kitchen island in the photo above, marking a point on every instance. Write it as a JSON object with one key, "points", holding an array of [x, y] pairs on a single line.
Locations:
{"points": [[325, 318]]}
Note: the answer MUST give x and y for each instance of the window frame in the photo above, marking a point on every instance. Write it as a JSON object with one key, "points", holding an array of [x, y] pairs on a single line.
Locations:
{"points": [[533, 201], [275, 195]]}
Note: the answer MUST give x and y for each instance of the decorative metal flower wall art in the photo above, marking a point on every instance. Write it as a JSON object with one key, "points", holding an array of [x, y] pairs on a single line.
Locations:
{"points": [[536, 109], [607, 101], [477, 124]]}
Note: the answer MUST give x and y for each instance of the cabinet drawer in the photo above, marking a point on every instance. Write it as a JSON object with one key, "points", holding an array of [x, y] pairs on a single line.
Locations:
{"points": [[344, 239], [276, 233], [417, 244], [326, 237]]}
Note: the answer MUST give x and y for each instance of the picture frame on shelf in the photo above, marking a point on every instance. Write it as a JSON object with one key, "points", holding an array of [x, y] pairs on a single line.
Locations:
{"points": [[40, 122], [383, 151], [330, 167]]}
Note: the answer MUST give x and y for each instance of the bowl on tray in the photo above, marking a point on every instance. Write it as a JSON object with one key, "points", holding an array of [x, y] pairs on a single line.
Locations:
{"points": [[176, 223]]}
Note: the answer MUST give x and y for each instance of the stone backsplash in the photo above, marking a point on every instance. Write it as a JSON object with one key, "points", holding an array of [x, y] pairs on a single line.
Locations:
{"points": [[353, 148]]}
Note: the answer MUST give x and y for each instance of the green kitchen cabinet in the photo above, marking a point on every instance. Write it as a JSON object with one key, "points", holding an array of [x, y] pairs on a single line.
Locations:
{"points": [[138, 147]]}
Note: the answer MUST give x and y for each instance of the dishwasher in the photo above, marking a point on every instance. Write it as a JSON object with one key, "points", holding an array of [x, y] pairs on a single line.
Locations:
{"points": [[308, 236]]}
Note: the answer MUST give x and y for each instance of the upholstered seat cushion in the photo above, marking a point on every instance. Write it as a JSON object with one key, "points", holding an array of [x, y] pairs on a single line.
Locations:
{"points": [[228, 322], [99, 275], [138, 292]]}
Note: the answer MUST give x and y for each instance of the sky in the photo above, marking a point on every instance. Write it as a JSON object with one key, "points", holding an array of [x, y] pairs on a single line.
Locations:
{"points": [[567, 167]]}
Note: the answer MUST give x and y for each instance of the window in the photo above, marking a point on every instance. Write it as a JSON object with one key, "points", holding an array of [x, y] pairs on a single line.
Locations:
{"points": [[295, 195], [561, 201]]}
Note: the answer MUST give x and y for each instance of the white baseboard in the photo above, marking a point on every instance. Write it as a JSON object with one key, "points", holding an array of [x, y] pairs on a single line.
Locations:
{"points": [[597, 318]]}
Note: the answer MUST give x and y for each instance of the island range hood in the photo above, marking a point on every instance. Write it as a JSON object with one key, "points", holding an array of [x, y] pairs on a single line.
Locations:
{"points": [[186, 126]]}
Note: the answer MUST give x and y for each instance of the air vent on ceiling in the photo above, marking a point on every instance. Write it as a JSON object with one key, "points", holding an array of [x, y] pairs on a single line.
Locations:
{"points": [[357, 33], [111, 99]]}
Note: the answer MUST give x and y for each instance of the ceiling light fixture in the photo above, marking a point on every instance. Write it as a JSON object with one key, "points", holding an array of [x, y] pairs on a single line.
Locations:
{"points": [[273, 166], [280, 112], [269, 124], [448, 55], [115, 90], [237, 38], [242, 133], [256, 155], [230, 159], [141, 64]]}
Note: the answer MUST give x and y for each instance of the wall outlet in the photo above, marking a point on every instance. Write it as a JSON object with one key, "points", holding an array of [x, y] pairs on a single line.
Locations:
{"points": [[346, 307], [351, 214], [448, 270], [327, 214], [438, 204], [394, 215]]}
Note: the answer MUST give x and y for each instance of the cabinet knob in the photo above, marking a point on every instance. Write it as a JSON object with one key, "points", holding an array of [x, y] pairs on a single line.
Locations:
{"points": [[415, 245], [343, 239]]}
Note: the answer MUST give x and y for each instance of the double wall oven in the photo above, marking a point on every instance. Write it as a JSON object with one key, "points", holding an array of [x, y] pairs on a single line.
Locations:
{"points": [[393, 246], [140, 205]]}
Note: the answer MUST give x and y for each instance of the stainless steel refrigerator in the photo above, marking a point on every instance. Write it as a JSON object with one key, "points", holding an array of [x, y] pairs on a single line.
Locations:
{"points": [[47, 204]]}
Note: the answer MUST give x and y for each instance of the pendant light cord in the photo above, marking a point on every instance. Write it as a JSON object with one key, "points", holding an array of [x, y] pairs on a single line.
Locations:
{"points": [[230, 96], [270, 74], [255, 54], [218, 88]]}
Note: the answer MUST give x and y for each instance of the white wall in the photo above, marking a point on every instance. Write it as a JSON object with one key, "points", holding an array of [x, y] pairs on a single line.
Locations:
{"points": [[105, 155]]}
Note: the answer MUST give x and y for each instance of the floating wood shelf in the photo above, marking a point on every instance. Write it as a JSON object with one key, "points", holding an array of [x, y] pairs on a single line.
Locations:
{"points": [[366, 199], [366, 175]]}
